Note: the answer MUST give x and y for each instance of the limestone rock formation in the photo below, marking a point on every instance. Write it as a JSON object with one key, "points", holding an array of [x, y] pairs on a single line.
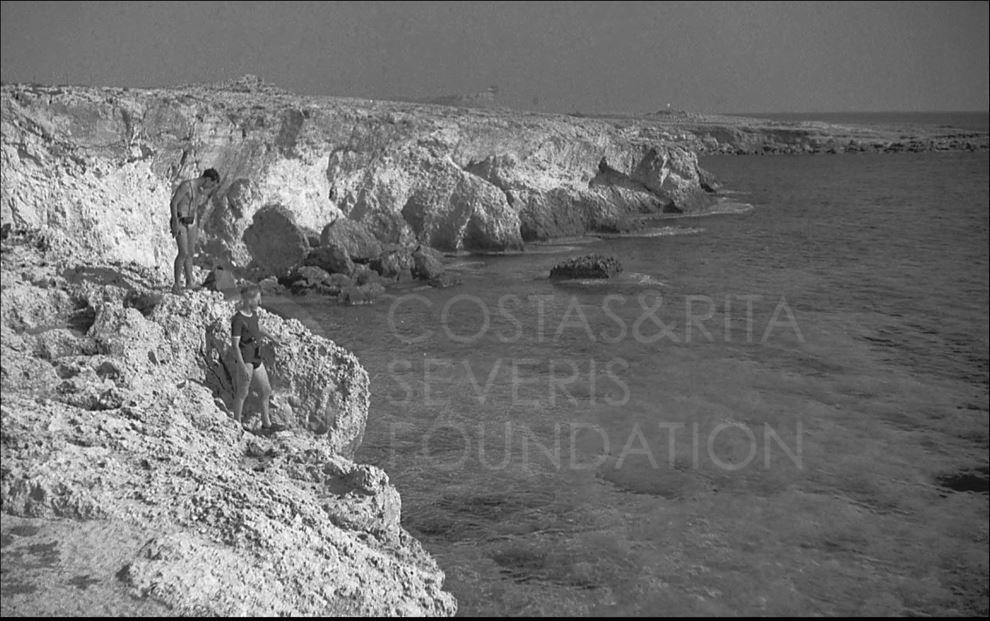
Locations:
{"points": [[615, 183], [427, 263], [95, 168], [115, 430], [275, 241], [333, 259], [713, 133], [353, 237]]}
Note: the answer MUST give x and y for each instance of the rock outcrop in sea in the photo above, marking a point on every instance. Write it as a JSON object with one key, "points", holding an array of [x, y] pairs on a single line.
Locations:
{"points": [[95, 167], [127, 488], [588, 266]]}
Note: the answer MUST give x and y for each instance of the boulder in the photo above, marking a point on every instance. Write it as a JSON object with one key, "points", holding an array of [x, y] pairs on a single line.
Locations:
{"points": [[309, 278], [353, 237], [458, 210], [333, 259], [274, 240], [444, 280], [427, 263], [271, 286], [337, 283], [671, 173], [364, 275], [394, 263], [589, 266]]}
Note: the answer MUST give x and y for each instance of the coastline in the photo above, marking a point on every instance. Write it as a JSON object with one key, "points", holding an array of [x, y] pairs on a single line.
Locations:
{"points": [[87, 168]]}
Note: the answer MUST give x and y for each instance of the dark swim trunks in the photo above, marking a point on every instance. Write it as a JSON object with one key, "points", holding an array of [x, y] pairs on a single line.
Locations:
{"points": [[187, 220], [250, 344]]}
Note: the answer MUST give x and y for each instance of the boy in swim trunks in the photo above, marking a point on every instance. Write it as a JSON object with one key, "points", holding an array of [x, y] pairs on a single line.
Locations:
{"points": [[187, 200], [246, 336]]}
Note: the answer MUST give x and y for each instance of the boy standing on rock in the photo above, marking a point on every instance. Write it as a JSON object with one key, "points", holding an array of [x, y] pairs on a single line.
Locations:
{"points": [[187, 200]]}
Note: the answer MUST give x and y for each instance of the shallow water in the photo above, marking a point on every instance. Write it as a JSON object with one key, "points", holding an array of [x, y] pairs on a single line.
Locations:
{"points": [[759, 418]]}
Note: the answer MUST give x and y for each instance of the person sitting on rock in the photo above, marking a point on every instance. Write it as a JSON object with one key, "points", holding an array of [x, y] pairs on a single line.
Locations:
{"points": [[187, 200], [246, 337]]}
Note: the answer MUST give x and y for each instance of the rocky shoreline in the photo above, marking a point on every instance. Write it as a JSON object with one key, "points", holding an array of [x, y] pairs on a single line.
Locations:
{"points": [[714, 134], [116, 425], [115, 393], [105, 160]]}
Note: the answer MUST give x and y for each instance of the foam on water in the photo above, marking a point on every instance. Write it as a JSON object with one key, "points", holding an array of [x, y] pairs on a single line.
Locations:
{"points": [[663, 231]]}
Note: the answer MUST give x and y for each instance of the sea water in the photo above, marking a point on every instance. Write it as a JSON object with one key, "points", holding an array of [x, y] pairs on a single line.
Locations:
{"points": [[778, 411]]}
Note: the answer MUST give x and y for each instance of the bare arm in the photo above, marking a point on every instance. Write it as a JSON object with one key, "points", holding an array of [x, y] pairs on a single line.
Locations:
{"points": [[235, 344]]}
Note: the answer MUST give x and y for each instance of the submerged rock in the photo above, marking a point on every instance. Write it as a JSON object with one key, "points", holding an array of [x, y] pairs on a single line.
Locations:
{"points": [[590, 266], [361, 294]]}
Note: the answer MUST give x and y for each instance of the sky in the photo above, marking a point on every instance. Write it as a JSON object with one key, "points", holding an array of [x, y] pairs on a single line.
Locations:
{"points": [[593, 57]]}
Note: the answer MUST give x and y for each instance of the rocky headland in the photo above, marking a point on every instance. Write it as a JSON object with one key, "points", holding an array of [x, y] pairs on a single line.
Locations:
{"points": [[128, 489], [116, 394], [95, 168], [711, 134]]}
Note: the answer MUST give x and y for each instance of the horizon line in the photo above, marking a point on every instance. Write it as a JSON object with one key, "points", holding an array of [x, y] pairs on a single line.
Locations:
{"points": [[406, 100]]}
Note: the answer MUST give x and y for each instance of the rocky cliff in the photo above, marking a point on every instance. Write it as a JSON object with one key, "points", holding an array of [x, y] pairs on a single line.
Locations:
{"points": [[127, 489], [95, 168]]}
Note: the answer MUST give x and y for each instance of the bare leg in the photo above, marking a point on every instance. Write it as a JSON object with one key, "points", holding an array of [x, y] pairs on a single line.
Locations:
{"points": [[242, 384], [264, 391], [191, 235], [181, 260]]}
